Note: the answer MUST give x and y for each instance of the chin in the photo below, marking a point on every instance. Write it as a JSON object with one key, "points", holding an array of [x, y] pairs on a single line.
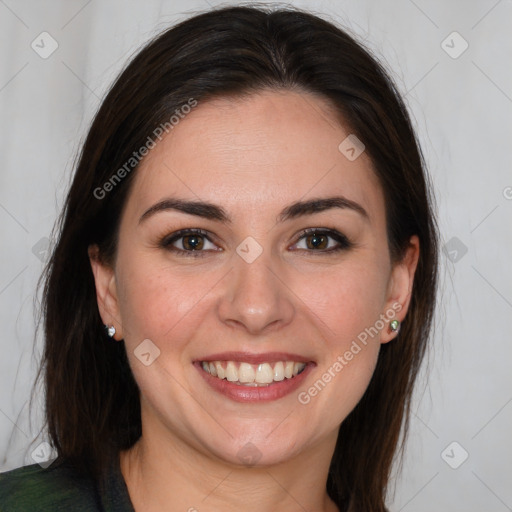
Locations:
{"points": [[258, 450]]}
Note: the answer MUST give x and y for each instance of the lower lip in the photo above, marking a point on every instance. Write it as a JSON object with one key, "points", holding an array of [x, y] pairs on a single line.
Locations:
{"points": [[241, 393]]}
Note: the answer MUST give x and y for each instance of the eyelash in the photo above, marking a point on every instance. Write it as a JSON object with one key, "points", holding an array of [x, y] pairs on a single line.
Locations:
{"points": [[343, 241]]}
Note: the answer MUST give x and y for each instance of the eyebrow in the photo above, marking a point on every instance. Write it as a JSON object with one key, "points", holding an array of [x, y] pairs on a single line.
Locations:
{"points": [[214, 212]]}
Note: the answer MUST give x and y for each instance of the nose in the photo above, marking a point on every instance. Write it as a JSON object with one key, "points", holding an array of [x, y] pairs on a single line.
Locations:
{"points": [[256, 296]]}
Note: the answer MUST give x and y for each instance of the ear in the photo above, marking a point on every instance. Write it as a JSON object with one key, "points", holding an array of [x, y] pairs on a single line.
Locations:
{"points": [[400, 287], [106, 292]]}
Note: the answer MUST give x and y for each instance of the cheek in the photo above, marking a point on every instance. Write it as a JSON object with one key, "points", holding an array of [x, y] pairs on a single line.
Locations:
{"points": [[348, 304], [347, 300], [154, 299]]}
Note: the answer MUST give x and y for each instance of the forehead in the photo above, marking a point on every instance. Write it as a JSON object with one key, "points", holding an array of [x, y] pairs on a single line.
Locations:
{"points": [[279, 146]]}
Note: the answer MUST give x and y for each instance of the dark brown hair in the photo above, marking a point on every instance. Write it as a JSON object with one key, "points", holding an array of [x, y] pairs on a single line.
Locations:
{"points": [[92, 401]]}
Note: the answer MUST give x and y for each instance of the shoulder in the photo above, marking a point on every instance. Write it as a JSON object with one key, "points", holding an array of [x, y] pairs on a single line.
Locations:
{"points": [[37, 489]]}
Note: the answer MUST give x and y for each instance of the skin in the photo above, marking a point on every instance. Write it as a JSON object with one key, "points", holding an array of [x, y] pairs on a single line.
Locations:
{"points": [[253, 156]]}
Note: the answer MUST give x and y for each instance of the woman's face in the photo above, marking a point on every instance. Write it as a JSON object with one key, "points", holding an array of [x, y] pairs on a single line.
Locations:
{"points": [[248, 289]]}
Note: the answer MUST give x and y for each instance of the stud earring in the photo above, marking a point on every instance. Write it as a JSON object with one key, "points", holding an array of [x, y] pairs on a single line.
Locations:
{"points": [[111, 330], [394, 325]]}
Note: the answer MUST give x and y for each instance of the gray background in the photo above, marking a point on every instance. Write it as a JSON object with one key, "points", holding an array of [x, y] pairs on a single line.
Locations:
{"points": [[462, 108]]}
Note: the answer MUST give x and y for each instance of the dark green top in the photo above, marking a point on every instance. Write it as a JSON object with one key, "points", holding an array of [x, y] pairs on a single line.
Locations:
{"points": [[59, 488]]}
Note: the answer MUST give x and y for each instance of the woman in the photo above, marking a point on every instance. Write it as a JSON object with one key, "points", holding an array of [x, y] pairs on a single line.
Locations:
{"points": [[243, 285]]}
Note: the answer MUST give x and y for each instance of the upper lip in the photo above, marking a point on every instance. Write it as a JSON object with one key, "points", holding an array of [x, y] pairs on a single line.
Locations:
{"points": [[252, 358]]}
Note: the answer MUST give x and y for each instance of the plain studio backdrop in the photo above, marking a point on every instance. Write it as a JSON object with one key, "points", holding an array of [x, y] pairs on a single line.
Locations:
{"points": [[451, 60]]}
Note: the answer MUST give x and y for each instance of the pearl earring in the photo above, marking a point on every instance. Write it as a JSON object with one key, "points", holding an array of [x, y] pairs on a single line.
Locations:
{"points": [[394, 325], [111, 330]]}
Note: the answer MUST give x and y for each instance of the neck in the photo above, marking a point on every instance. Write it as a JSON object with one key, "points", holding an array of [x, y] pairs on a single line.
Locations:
{"points": [[171, 476]]}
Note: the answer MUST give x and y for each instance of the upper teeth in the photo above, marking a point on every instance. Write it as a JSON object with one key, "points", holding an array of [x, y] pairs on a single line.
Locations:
{"points": [[249, 374]]}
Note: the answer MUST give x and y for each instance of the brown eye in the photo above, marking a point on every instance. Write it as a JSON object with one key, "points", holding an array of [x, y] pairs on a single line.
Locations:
{"points": [[322, 241], [189, 242], [193, 242], [317, 241]]}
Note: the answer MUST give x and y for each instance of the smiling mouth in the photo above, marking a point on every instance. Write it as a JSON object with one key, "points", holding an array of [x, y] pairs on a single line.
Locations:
{"points": [[253, 375]]}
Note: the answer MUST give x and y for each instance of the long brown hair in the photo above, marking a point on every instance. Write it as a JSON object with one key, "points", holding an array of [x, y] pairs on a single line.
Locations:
{"points": [[92, 400]]}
